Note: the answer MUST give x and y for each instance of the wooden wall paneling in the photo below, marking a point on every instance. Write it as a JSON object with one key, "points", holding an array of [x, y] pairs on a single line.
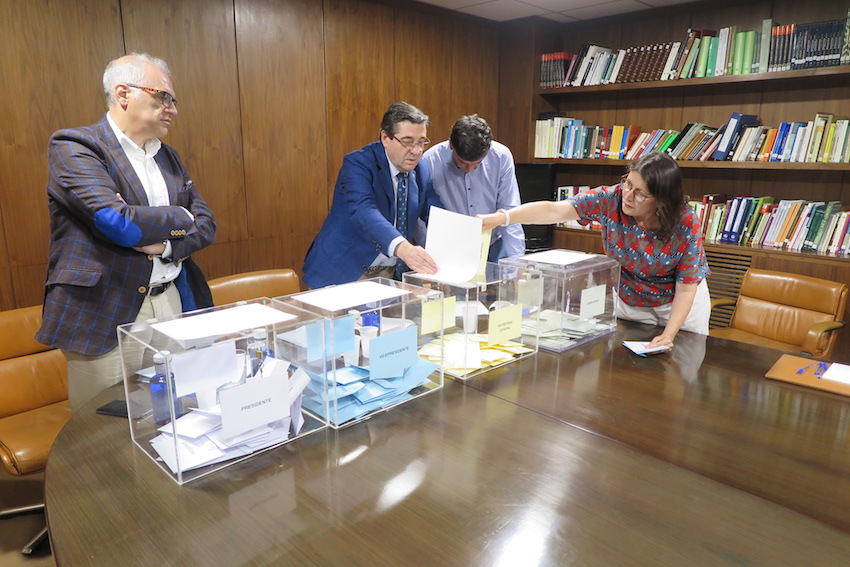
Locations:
{"points": [[814, 185], [474, 77], [54, 79], [600, 32], [284, 128], [699, 182], [714, 106], [656, 109], [793, 11], [590, 175], [713, 15], [196, 39], [423, 68], [360, 82], [519, 74], [800, 102], [653, 26]]}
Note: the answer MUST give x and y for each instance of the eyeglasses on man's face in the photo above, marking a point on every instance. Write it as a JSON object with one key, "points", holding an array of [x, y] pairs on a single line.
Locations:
{"points": [[639, 194], [410, 143], [164, 97]]}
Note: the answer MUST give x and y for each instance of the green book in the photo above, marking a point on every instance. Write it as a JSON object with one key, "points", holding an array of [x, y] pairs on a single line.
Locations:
{"points": [[738, 61], [764, 45], [730, 49], [712, 57], [829, 211], [814, 225], [749, 52], [702, 57], [669, 141], [687, 70], [757, 212]]}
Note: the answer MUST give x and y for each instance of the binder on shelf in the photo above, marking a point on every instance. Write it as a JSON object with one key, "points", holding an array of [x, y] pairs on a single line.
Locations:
{"points": [[736, 122]]}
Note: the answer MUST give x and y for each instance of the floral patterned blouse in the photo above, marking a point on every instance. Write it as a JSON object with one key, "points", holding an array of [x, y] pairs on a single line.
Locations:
{"points": [[650, 268]]}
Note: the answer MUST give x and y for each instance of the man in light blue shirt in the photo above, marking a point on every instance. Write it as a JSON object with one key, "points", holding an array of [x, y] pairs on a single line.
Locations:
{"points": [[473, 175]]}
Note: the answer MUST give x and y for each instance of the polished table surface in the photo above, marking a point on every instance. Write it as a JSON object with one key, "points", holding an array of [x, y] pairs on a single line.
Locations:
{"points": [[592, 457]]}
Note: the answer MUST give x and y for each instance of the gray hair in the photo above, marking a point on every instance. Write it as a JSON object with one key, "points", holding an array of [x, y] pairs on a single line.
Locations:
{"points": [[128, 70]]}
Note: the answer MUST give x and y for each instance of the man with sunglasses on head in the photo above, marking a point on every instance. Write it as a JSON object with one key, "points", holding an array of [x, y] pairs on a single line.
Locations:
{"points": [[125, 217], [475, 175], [381, 191]]}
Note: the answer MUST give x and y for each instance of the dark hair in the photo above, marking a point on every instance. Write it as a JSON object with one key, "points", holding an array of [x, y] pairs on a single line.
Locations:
{"points": [[471, 137], [663, 178], [401, 112]]}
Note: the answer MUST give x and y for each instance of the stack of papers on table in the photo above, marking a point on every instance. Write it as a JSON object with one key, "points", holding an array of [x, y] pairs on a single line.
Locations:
{"points": [[466, 353], [558, 324], [206, 436]]}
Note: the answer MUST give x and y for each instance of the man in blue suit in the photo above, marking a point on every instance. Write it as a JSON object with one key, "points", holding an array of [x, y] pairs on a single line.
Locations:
{"points": [[124, 217], [363, 236]]}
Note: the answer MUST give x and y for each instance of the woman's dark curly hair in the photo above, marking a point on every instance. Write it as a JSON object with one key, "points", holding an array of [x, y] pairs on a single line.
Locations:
{"points": [[663, 178]]}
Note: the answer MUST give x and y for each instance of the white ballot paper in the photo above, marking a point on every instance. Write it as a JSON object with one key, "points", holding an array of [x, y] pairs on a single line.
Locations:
{"points": [[346, 296], [454, 242], [557, 257], [221, 322]]}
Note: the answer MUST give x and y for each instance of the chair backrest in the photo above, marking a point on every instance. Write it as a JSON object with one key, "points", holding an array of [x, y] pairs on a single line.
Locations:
{"points": [[250, 285], [783, 307], [32, 375]]}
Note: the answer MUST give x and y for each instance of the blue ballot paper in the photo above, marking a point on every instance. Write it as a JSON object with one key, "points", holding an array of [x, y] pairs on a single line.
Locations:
{"points": [[393, 353], [642, 348], [343, 338]]}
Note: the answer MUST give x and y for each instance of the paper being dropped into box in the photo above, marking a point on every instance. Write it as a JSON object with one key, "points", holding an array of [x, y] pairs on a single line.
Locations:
{"points": [[454, 242]]}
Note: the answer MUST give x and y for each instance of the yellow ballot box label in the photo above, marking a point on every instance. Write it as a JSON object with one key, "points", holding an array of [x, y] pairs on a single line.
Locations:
{"points": [[431, 315], [505, 324]]}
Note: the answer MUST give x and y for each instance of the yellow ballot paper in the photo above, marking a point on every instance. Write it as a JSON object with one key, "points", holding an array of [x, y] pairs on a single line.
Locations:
{"points": [[480, 275], [505, 324], [431, 315]]}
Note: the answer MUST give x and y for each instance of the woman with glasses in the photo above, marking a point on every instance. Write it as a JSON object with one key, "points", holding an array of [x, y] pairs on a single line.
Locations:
{"points": [[649, 229]]}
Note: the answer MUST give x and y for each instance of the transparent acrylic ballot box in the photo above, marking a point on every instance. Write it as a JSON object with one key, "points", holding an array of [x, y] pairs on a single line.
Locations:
{"points": [[576, 299], [212, 387], [482, 320], [374, 330]]}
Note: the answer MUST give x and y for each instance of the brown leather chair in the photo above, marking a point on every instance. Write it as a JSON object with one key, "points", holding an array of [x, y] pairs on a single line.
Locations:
{"points": [[33, 401], [250, 285], [785, 311]]}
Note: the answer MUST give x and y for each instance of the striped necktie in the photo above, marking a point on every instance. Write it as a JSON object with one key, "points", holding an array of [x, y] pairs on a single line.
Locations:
{"points": [[401, 217]]}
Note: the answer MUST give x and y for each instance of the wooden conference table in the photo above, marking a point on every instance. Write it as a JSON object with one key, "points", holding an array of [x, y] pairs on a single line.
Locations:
{"points": [[590, 457]]}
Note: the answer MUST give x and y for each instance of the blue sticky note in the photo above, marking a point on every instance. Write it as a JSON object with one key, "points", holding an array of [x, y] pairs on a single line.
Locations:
{"points": [[342, 337], [391, 354]]}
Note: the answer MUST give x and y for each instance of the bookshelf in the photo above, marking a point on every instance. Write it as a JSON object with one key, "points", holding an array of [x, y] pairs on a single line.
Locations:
{"points": [[793, 95]]}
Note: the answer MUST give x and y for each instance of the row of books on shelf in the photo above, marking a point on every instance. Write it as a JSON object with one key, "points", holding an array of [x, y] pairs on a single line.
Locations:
{"points": [[824, 139], [791, 224], [704, 53]]}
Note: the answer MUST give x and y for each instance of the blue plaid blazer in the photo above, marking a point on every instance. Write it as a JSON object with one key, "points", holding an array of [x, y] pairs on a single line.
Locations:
{"points": [[95, 280]]}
